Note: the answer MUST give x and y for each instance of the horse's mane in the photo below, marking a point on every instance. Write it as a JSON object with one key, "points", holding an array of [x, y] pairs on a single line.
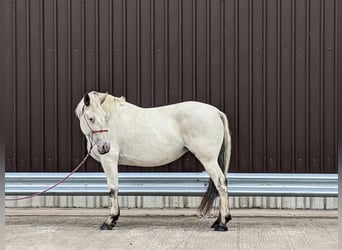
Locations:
{"points": [[112, 101], [107, 104]]}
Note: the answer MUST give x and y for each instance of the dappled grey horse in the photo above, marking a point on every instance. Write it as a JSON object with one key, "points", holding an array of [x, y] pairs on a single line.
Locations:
{"points": [[122, 133]]}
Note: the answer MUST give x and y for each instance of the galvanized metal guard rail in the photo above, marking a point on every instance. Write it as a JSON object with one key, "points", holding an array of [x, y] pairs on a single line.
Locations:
{"points": [[180, 184]]}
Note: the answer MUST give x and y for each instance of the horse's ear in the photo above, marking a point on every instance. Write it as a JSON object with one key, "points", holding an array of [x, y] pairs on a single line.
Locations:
{"points": [[103, 96], [86, 100]]}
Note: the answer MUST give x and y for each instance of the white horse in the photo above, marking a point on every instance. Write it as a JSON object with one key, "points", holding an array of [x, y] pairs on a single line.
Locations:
{"points": [[130, 135]]}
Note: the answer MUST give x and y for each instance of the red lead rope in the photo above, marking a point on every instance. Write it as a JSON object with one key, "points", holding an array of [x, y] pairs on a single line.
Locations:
{"points": [[66, 177], [55, 185]]}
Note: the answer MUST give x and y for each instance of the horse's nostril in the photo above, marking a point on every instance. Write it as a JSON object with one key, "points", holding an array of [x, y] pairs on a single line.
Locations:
{"points": [[105, 148]]}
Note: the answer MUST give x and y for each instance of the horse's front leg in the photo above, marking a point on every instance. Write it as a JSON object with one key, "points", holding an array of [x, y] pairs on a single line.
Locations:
{"points": [[110, 167]]}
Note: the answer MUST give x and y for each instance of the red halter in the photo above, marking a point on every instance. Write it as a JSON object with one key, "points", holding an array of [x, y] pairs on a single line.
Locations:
{"points": [[93, 131]]}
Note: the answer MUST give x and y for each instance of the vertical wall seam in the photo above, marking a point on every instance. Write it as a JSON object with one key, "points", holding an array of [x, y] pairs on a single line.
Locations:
{"points": [[223, 56], [83, 47], [180, 50], [264, 82], [236, 80], [124, 44], [208, 55], [138, 51], [180, 63], [97, 42], [55, 62], [69, 60], [28, 79], [194, 50], [293, 84], [42, 76], [322, 91], [153, 62], [14, 91], [166, 58], [307, 87], [111, 44], [278, 85], [166, 44], [250, 86]]}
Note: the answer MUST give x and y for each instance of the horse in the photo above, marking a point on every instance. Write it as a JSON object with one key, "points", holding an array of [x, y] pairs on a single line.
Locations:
{"points": [[119, 132]]}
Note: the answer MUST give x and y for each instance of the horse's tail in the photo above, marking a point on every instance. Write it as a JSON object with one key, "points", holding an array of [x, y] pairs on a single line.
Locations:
{"points": [[223, 160], [225, 153]]}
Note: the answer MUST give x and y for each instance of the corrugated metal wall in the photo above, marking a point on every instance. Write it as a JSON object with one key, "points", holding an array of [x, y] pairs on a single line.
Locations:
{"points": [[271, 65]]}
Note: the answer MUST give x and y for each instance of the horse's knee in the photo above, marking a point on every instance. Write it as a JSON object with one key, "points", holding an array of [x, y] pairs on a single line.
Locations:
{"points": [[113, 194], [222, 188], [223, 181]]}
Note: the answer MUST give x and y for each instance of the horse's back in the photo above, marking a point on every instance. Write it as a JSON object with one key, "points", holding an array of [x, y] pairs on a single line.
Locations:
{"points": [[180, 118], [167, 131]]}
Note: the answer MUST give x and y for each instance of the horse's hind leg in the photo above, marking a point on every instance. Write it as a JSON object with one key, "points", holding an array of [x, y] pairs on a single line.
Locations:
{"points": [[220, 183], [111, 170]]}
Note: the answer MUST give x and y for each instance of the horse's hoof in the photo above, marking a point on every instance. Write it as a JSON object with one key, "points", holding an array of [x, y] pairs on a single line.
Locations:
{"points": [[228, 218], [221, 228], [215, 224], [105, 226]]}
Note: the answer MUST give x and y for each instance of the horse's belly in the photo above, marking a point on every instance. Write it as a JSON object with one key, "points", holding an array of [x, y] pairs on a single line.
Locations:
{"points": [[151, 158]]}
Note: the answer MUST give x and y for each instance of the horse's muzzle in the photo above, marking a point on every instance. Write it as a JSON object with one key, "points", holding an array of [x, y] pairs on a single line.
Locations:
{"points": [[104, 148]]}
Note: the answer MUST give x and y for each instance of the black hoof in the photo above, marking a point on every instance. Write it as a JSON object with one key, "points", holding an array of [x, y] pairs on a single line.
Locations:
{"points": [[105, 226], [215, 224], [221, 228], [228, 218]]}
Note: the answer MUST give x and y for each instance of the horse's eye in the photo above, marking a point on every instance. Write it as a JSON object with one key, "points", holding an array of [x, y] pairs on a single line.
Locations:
{"points": [[91, 119]]}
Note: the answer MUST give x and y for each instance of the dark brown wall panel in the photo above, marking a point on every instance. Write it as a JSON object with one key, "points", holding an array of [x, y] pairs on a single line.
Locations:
{"points": [[270, 65]]}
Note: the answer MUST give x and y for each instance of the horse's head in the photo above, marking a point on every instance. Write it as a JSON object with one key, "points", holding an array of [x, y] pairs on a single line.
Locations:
{"points": [[93, 120]]}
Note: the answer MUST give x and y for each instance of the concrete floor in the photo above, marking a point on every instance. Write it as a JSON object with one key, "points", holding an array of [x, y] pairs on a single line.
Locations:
{"points": [[170, 229]]}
